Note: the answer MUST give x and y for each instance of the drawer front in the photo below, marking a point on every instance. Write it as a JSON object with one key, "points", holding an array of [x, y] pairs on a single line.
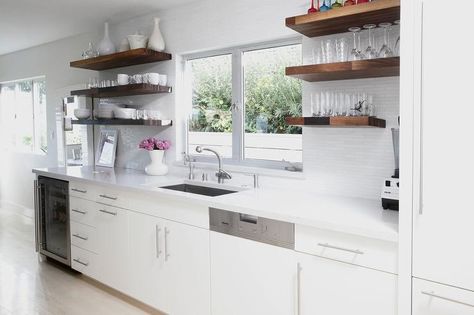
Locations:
{"points": [[80, 190], [82, 211], [353, 249], [84, 261], [436, 299], [110, 197], [84, 236]]}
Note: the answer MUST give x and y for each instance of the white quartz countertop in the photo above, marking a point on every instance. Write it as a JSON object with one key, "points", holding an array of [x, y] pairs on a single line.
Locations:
{"points": [[364, 217]]}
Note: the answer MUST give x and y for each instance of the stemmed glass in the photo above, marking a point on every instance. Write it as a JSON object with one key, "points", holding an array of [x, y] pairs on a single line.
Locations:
{"points": [[396, 48], [312, 9], [356, 53], [349, 2], [336, 4], [385, 51], [325, 7], [370, 51]]}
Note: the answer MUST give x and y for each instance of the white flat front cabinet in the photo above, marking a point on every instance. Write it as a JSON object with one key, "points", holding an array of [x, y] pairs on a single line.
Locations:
{"points": [[113, 255], [146, 248], [251, 278], [186, 279], [443, 225], [435, 299], [333, 288]]}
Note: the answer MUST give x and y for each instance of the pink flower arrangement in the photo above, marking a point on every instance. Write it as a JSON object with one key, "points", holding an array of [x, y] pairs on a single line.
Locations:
{"points": [[151, 144]]}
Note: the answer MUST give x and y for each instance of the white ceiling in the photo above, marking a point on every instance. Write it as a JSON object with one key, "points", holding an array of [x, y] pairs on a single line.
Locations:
{"points": [[28, 23]]}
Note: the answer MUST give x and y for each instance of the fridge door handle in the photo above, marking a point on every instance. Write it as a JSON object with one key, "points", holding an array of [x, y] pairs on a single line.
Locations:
{"points": [[36, 208]]}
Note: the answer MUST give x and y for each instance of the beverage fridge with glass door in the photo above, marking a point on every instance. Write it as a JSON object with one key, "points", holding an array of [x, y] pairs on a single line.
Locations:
{"points": [[52, 219]]}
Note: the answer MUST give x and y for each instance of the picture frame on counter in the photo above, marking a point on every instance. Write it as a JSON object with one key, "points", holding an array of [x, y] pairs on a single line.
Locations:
{"points": [[106, 148]]}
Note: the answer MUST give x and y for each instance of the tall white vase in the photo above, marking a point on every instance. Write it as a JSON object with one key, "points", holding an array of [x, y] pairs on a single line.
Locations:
{"points": [[156, 167], [156, 41], [106, 46]]}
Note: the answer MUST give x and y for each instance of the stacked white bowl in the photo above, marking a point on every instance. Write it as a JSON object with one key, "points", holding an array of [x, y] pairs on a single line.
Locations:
{"points": [[125, 113], [82, 113]]}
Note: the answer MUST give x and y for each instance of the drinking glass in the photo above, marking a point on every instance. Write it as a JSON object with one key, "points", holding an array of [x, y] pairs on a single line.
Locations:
{"points": [[349, 2], [347, 104], [371, 105], [312, 9], [328, 50], [315, 104], [325, 7], [396, 47], [385, 51], [317, 54], [370, 51], [356, 53], [341, 49]]}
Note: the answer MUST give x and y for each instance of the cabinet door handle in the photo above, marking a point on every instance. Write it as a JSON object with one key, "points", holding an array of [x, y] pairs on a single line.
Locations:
{"points": [[420, 194], [433, 295], [37, 206], [108, 197], [80, 262], [79, 211], [79, 190], [85, 238], [298, 288], [158, 250], [355, 251], [167, 254], [108, 212]]}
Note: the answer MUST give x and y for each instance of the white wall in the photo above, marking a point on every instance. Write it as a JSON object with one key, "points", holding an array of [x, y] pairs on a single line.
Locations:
{"points": [[201, 26]]}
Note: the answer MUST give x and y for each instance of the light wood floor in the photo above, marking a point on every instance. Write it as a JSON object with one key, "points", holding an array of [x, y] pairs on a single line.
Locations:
{"points": [[30, 287]]}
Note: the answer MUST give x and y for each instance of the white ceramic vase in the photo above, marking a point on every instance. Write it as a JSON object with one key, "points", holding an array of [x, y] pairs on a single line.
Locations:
{"points": [[106, 47], [156, 167], [156, 41]]}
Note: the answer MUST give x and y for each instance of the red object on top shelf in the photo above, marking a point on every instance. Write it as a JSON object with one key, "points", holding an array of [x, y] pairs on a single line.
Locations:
{"points": [[313, 9], [362, 1]]}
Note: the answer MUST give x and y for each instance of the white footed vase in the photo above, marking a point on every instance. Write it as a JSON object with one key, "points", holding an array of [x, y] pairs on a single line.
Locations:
{"points": [[106, 46], [156, 41], [157, 167]]}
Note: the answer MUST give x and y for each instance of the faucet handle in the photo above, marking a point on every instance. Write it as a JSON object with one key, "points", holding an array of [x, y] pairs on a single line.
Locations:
{"points": [[255, 179]]}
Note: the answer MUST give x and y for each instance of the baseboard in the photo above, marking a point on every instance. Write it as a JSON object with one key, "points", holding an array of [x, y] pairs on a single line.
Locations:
{"points": [[18, 208]]}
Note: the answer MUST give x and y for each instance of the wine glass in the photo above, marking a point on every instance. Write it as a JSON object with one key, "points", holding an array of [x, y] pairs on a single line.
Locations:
{"points": [[337, 4], [356, 53], [349, 2], [324, 7], [396, 47], [385, 51], [370, 51], [312, 9]]}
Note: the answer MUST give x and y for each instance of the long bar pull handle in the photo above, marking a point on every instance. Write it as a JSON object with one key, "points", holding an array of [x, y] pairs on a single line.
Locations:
{"points": [[80, 262], [108, 197], [420, 195], [36, 194], [79, 190], [79, 211], [167, 254], [432, 294], [355, 251], [108, 212], [158, 250], [84, 238], [298, 288]]}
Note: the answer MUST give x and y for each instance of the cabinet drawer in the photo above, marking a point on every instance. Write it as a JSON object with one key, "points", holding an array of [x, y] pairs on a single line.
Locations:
{"points": [[80, 190], [84, 236], [110, 197], [82, 211], [353, 249], [436, 299], [84, 261]]}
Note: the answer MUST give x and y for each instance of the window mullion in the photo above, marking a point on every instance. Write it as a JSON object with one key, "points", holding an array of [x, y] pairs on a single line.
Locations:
{"points": [[238, 107]]}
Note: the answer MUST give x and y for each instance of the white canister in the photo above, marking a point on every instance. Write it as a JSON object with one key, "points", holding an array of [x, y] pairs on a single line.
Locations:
{"points": [[122, 79]]}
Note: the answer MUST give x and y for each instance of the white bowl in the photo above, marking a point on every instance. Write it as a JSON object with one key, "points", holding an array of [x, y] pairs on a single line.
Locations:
{"points": [[137, 41], [104, 113], [125, 113], [82, 113]]}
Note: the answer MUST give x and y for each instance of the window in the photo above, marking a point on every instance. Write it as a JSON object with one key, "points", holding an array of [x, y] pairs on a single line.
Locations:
{"points": [[240, 99], [23, 115]]}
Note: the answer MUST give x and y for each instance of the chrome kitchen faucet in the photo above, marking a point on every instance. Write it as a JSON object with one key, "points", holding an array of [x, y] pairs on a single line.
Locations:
{"points": [[221, 173]]}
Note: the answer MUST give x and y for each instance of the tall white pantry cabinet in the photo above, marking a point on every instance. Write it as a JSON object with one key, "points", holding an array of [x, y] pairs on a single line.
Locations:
{"points": [[443, 157]]}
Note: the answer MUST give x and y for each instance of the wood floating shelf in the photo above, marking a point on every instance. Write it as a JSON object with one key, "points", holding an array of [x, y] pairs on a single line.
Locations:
{"points": [[339, 121], [123, 90], [339, 20], [360, 69], [121, 59], [124, 122]]}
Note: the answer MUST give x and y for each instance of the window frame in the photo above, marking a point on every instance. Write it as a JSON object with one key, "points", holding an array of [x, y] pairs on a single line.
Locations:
{"points": [[238, 106], [34, 110]]}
